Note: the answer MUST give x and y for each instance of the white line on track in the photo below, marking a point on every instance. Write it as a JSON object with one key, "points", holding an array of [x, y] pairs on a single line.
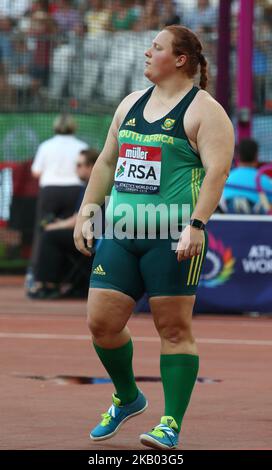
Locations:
{"points": [[147, 339], [254, 322]]}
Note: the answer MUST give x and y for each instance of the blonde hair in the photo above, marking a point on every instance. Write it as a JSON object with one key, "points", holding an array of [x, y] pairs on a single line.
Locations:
{"points": [[64, 124]]}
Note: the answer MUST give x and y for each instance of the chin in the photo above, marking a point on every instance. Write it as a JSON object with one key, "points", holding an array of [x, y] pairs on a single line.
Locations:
{"points": [[149, 76]]}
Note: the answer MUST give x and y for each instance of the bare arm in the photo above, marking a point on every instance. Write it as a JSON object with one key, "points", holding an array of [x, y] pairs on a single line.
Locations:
{"points": [[215, 142], [35, 174], [70, 222]]}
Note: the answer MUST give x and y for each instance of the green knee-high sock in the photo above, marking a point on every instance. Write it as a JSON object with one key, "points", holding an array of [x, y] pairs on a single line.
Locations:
{"points": [[179, 374], [118, 364]]}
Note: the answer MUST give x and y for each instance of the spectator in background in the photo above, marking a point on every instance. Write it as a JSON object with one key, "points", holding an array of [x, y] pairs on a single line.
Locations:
{"points": [[24, 23], [168, 14], [19, 78], [150, 19], [240, 194], [53, 7], [261, 53], [156, 15], [60, 186], [66, 16], [125, 16], [40, 5], [97, 17], [81, 5], [57, 244], [5, 42], [41, 32], [14, 9], [203, 18]]}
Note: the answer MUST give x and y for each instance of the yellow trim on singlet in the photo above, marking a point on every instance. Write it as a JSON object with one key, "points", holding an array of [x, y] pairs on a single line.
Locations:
{"points": [[193, 187], [198, 182], [195, 184]]}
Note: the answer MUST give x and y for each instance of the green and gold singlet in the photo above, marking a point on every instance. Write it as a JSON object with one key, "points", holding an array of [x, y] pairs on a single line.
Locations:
{"points": [[156, 166], [156, 163]]}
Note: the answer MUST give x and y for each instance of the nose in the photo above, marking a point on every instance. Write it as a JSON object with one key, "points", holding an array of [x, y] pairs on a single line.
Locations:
{"points": [[147, 53]]}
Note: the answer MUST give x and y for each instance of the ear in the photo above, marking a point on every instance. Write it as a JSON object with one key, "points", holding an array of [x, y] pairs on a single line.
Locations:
{"points": [[181, 60]]}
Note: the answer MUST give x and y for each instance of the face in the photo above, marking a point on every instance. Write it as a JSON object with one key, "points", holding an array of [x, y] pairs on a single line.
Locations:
{"points": [[161, 63], [83, 170]]}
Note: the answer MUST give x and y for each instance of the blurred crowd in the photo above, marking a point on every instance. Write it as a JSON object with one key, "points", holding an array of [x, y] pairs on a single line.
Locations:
{"points": [[41, 41]]}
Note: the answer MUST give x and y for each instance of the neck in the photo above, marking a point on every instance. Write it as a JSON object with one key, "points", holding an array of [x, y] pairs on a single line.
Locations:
{"points": [[171, 88]]}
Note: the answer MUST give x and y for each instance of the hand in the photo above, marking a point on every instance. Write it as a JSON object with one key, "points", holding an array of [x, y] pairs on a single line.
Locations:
{"points": [[83, 231], [190, 243]]}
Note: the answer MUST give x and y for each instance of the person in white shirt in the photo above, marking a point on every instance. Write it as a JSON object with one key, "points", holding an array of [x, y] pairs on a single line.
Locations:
{"points": [[60, 186], [55, 160], [57, 254]]}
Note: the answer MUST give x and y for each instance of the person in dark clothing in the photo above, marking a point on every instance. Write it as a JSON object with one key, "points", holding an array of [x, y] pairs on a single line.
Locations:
{"points": [[57, 253], [54, 166]]}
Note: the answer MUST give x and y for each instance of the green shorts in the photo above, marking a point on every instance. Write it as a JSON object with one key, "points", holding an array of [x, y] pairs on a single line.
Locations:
{"points": [[138, 266]]}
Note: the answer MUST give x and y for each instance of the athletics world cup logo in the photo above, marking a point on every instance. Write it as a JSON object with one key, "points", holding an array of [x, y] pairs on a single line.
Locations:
{"points": [[219, 265]]}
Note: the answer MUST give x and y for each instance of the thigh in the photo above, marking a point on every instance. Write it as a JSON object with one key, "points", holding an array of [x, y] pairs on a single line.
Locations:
{"points": [[108, 310], [164, 276], [116, 267], [172, 313]]}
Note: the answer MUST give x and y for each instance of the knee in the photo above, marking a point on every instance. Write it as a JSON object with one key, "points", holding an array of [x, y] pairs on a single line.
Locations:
{"points": [[100, 327], [176, 333], [96, 326]]}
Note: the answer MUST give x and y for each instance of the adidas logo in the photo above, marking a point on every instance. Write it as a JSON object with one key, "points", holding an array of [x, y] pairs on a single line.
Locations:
{"points": [[131, 122], [99, 270]]}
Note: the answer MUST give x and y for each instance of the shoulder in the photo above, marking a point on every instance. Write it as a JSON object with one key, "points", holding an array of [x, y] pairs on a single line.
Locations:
{"points": [[127, 103], [208, 112], [46, 143], [50, 141], [206, 104], [236, 173], [212, 109]]}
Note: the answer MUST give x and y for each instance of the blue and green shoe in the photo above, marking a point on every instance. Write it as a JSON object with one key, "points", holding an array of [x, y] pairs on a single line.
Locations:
{"points": [[163, 436], [117, 415]]}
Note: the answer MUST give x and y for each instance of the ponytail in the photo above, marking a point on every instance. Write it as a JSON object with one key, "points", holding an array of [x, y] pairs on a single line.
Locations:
{"points": [[203, 72]]}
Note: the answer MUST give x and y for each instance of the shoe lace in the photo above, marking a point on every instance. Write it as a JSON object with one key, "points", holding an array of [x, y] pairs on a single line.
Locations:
{"points": [[158, 432], [106, 419]]}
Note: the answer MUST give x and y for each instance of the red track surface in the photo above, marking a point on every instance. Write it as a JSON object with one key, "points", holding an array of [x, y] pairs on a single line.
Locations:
{"points": [[51, 339]]}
